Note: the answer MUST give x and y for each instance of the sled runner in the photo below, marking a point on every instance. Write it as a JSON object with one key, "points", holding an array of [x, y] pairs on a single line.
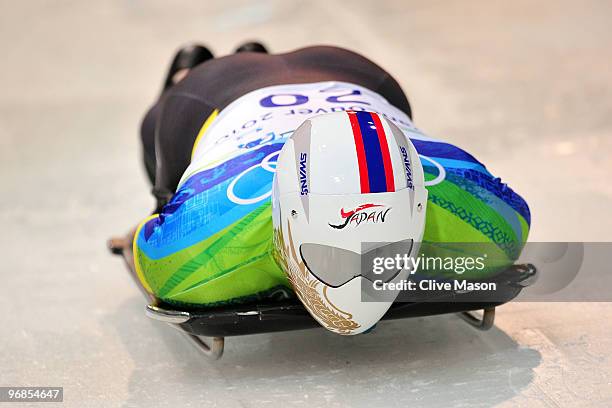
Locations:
{"points": [[207, 328]]}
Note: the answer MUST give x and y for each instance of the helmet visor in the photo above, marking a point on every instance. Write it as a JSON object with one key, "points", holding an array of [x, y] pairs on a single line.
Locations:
{"points": [[336, 266]]}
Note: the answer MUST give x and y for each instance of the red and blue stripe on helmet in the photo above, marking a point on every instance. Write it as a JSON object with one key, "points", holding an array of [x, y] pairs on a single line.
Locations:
{"points": [[373, 157]]}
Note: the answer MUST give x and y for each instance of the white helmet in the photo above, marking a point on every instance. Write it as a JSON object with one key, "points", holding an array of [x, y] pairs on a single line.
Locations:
{"points": [[348, 187]]}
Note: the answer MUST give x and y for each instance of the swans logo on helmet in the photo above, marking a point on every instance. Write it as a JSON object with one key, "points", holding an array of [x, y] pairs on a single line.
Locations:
{"points": [[365, 213], [406, 158], [303, 174]]}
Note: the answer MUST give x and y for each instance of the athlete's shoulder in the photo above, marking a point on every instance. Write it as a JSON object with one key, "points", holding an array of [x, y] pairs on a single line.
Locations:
{"points": [[463, 191]]}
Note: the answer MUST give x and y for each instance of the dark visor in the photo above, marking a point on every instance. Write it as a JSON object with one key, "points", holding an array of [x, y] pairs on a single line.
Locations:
{"points": [[336, 266]]}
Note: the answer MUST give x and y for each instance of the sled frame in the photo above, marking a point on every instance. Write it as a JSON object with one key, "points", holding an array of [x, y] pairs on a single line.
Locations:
{"points": [[264, 318]]}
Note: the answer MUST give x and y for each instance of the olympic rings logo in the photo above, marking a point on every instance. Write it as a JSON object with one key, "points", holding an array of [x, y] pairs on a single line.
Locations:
{"points": [[441, 172], [266, 164], [269, 165]]}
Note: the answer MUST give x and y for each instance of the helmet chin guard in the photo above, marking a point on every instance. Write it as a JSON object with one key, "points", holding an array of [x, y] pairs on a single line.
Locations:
{"points": [[348, 188]]}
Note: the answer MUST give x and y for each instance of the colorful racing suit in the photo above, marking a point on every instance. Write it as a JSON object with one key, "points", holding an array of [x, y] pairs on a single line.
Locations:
{"points": [[211, 244]]}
